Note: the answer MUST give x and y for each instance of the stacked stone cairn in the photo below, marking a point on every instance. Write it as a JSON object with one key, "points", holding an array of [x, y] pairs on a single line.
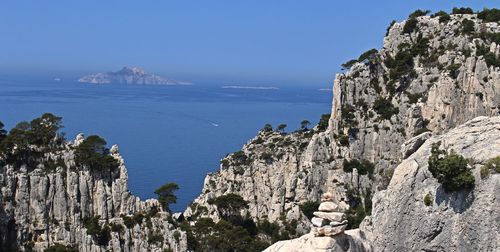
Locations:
{"points": [[330, 219]]}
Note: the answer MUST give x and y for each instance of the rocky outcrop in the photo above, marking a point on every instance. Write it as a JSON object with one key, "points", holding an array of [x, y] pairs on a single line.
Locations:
{"points": [[432, 77], [461, 221], [404, 220], [330, 219], [40, 207], [327, 233], [128, 75]]}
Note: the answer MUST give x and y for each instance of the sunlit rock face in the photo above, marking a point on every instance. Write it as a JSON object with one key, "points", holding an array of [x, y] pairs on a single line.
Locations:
{"points": [[42, 207], [378, 104]]}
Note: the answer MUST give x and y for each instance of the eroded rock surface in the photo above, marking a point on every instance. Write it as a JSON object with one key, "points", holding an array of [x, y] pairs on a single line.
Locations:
{"points": [[39, 208]]}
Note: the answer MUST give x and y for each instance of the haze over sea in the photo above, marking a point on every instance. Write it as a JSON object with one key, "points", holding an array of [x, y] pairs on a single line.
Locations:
{"points": [[165, 133]]}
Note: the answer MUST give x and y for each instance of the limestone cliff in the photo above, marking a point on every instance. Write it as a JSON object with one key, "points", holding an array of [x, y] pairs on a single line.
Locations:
{"points": [[431, 74], [415, 213], [42, 205]]}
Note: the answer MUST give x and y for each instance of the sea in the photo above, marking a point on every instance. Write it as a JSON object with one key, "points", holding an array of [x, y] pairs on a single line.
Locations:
{"points": [[165, 133]]}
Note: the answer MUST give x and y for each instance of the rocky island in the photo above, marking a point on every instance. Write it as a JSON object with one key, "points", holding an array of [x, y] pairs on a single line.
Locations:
{"points": [[408, 160], [127, 75]]}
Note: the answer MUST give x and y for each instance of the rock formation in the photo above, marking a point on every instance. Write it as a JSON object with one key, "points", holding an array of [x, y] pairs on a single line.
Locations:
{"points": [[466, 220], [432, 77], [327, 232], [330, 219], [429, 77], [40, 207], [402, 220], [128, 75]]}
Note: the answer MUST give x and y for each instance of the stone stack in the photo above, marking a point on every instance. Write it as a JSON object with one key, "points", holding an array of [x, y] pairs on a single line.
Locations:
{"points": [[330, 219]]}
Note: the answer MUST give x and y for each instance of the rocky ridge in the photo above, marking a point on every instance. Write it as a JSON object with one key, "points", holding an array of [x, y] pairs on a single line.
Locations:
{"points": [[432, 77], [40, 208]]}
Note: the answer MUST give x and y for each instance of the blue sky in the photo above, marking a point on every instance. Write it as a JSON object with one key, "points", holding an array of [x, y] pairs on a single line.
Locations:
{"points": [[249, 42]]}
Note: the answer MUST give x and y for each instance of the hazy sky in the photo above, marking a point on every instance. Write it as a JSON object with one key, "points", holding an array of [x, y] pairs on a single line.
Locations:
{"points": [[267, 42]]}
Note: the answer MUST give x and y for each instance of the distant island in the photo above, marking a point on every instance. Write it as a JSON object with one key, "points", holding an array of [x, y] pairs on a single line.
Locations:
{"points": [[127, 75]]}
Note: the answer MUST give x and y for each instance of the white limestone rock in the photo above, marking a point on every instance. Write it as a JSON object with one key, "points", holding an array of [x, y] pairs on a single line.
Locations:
{"points": [[334, 216], [328, 206], [319, 222]]}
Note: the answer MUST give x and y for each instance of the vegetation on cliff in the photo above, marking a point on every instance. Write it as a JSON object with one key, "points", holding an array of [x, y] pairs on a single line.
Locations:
{"points": [[451, 170]]}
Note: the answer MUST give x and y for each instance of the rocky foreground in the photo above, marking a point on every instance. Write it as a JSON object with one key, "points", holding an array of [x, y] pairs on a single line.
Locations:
{"points": [[415, 214]]}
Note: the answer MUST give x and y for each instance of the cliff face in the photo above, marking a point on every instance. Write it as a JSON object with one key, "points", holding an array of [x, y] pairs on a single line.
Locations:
{"points": [[40, 208], [403, 219], [429, 76], [415, 213]]}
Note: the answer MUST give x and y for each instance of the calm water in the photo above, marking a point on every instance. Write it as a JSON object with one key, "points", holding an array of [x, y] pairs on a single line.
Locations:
{"points": [[165, 133]]}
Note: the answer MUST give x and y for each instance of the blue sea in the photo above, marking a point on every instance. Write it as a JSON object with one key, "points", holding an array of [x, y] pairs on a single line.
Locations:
{"points": [[165, 133]]}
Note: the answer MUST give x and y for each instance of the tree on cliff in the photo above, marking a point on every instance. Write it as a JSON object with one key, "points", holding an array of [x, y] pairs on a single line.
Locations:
{"points": [[281, 128], [267, 127], [3, 133], [304, 124], [166, 195], [92, 152]]}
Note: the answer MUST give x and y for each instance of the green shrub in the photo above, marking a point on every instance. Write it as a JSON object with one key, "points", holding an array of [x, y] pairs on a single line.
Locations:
{"points": [[493, 164], [349, 64], [348, 115], [485, 172], [389, 27], [451, 170], [116, 227], [420, 47], [241, 158], [491, 59], [384, 108], [3, 132], [267, 128], [489, 15], [323, 122], [27, 142], [102, 235], [268, 157], [91, 223], [308, 208], [410, 25], [357, 211], [364, 166], [419, 13], [428, 200], [488, 36], [343, 140], [92, 153], [229, 204], [413, 98], [128, 221], [400, 65], [166, 195], [462, 10], [155, 239], [443, 16], [467, 26], [368, 55], [454, 70]]}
